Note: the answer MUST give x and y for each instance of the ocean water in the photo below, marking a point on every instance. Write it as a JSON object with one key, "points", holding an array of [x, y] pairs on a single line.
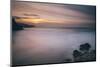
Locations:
{"points": [[46, 45]]}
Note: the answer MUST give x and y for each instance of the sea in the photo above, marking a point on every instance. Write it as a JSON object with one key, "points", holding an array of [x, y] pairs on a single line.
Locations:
{"points": [[48, 45]]}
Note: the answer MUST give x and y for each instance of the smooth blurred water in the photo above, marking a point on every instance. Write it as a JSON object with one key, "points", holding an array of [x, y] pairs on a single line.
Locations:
{"points": [[46, 45]]}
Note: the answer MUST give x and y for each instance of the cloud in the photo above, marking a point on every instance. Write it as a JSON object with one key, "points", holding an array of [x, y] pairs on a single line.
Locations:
{"points": [[72, 15]]}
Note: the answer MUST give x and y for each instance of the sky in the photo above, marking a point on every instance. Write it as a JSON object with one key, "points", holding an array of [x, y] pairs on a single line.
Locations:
{"points": [[54, 15]]}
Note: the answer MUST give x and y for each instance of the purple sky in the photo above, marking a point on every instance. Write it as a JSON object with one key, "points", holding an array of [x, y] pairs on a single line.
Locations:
{"points": [[59, 15]]}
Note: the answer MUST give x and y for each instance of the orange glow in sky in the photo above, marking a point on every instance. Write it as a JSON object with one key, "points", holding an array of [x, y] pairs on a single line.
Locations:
{"points": [[31, 20], [38, 20]]}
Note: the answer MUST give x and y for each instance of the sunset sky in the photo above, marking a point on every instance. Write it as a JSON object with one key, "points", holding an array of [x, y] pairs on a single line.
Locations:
{"points": [[54, 15]]}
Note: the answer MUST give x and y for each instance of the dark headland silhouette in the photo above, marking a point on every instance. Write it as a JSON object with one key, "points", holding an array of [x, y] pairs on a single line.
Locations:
{"points": [[19, 26]]}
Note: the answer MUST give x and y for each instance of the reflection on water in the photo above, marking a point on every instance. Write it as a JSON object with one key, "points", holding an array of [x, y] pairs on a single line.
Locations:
{"points": [[42, 45]]}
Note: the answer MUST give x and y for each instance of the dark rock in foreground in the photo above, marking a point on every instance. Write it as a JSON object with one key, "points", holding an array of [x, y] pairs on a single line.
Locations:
{"points": [[84, 53]]}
